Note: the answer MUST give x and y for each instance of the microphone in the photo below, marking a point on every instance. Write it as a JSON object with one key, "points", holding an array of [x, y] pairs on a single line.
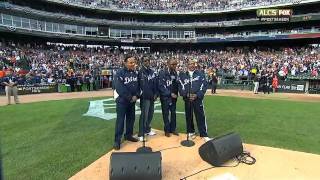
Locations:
{"points": [[190, 81]]}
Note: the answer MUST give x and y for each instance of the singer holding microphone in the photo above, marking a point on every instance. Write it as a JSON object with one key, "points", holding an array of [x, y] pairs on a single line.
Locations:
{"points": [[192, 87]]}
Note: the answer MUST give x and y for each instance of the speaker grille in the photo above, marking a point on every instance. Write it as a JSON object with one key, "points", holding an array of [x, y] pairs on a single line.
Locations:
{"points": [[132, 165], [219, 150]]}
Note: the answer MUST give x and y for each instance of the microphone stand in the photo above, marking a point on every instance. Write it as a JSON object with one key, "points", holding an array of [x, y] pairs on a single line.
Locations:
{"points": [[188, 142], [143, 148]]}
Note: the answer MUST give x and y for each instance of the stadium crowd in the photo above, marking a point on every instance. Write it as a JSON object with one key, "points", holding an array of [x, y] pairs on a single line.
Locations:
{"points": [[77, 65], [177, 5]]}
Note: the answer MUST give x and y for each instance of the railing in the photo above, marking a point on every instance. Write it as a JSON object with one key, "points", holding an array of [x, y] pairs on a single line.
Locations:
{"points": [[306, 76], [261, 33], [95, 21], [13, 22], [314, 91], [235, 84]]}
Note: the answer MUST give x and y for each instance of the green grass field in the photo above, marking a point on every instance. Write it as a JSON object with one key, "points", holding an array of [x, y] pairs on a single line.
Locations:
{"points": [[52, 140]]}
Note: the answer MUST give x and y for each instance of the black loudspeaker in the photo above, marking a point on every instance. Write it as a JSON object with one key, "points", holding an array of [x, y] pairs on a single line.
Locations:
{"points": [[221, 149], [135, 165]]}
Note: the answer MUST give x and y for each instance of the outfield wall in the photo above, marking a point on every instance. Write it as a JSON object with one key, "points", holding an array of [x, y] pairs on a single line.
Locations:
{"points": [[291, 86]]}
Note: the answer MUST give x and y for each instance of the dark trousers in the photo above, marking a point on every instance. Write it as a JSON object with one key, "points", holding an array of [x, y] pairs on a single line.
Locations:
{"points": [[168, 104], [125, 114], [195, 107], [72, 87], [147, 110], [213, 88], [79, 88], [2, 90], [266, 89], [88, 86]]}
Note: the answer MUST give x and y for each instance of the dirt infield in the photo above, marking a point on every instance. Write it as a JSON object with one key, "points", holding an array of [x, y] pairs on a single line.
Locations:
{"points": [[57, 96], [272, 163], [108, 92], [275, 96]]}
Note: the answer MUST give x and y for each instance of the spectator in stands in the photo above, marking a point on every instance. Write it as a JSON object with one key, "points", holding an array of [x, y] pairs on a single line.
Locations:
{"points": [[2, 75], [21, 79], [51, 79], [110, 81], [314, 72], [105, 82], [175, 5], [214, 82], [71, 81], [87, 80], [275, 83], [93, 83], [37, 79], [45, 60], [265, 81], [79, 83]]}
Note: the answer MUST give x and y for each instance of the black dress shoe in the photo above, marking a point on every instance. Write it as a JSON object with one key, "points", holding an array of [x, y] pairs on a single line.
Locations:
{"points": [[167, 134], [116, 146], [175, 133], [132, 139]]}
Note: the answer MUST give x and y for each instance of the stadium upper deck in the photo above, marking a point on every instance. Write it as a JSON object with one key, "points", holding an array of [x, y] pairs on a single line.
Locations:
{"points": [[65, 20], [178, 6]]}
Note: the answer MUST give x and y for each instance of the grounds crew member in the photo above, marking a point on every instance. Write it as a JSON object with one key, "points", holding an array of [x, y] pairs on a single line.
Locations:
{"points": [[192, 87], [128, 89], [168, 90], [256, 80], [10, 82]]}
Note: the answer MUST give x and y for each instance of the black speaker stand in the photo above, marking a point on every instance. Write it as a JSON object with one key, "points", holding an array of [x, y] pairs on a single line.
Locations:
{"points": [[187, 143], [144, 149]]}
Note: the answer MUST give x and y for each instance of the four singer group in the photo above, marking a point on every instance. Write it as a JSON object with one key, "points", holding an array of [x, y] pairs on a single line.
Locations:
{"points": [[134, 82]]}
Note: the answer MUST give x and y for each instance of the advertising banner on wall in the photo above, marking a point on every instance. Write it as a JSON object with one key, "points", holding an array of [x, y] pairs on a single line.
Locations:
{"points": [[292, 86], [35, 89]]}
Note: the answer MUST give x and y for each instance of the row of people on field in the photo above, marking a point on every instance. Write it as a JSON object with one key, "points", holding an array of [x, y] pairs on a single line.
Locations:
{"points": [[132, 84]]}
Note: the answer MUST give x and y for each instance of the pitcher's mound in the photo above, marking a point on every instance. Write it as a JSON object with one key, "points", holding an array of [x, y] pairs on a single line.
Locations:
{"points": [[272, 163]]}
